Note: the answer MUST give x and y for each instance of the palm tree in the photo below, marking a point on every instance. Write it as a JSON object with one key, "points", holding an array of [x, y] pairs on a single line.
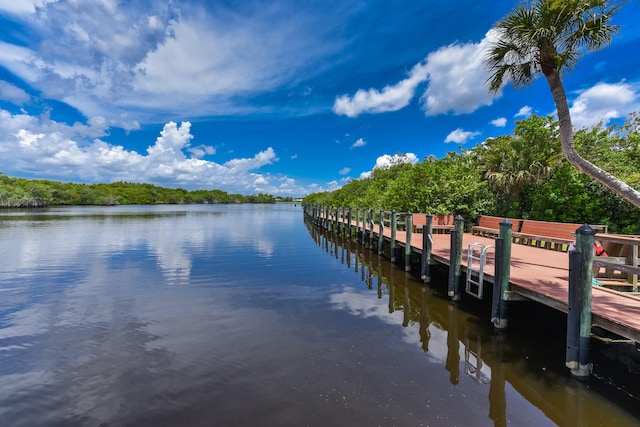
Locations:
{"points": [[513, 164], [548, 37]]}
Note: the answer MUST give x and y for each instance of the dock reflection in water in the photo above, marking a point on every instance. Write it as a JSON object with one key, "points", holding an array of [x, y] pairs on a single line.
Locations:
{"points": [[477, 352]]}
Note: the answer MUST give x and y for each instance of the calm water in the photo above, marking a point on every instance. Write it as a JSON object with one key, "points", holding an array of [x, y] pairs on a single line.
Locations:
{"points": [[245, 315]]}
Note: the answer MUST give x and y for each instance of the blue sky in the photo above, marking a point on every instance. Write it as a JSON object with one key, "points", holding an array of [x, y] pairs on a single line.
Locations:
{"points": [[284, 97]]}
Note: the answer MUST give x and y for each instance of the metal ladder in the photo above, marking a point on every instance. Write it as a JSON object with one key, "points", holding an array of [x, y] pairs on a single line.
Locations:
{"points": [[476, 260]]}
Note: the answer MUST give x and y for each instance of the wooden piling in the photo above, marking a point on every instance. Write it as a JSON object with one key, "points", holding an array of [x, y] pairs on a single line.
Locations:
{"points": [[371, 228], [427, 244], [584, 245], [381, 233], [573, 313], [392, 254], [364, 227], [455, 259], [407, 246], [502, 275]]}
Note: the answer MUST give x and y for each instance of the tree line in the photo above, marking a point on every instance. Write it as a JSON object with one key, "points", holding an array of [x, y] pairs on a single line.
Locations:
{"points": [[523, 175], [25, 193]]}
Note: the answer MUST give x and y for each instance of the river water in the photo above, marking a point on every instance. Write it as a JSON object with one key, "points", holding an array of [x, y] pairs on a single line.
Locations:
{"points": [[245, 315]]}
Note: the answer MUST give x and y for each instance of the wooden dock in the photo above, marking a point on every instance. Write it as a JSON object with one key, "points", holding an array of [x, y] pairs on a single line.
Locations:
{"points": [[536, 274], [542, 275]]}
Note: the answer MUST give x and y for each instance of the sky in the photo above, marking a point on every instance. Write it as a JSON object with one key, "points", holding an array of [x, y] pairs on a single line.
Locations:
{"points": [[285, 97]]}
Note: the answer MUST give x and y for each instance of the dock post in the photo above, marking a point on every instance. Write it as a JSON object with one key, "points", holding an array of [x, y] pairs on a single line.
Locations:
{"points": [[427, 245], [365, 212], [349, 223], [364, 227], [573, 313], [371, 228], [584, 245], [407, 246], [336, 222], [381, 233], [357, 223], [502, 275], [327, 218], [392, 252], [496, 295], [455, 259], [331, 219], [324, 216]]}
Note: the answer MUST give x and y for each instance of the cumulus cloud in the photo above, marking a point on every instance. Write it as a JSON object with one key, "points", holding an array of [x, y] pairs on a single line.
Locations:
{"points": [[525, 111], [43, 148], [456, 78], [390, 98], [460, 136], [344, 171], [359, 143], [500, 122], [604, 102], [388, 160]]}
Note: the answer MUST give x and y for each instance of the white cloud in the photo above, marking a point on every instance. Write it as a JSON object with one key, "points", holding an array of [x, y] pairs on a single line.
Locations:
{"points": [[500, 122], [525, 111], [391, 98], [359, 143], [201, 150], [344, 171], [388, 160], [21, 6], [604, 102], [155, 59], [13, 94], [456, 78], [460, 136], [43, 148], [332, 185]]}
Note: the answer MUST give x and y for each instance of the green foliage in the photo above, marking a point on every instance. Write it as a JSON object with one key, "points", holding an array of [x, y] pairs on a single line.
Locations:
{"points": [[523, 175], [19, 192]]}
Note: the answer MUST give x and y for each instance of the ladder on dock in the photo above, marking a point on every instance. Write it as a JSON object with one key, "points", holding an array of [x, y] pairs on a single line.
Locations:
{"points": [[476, 261]]}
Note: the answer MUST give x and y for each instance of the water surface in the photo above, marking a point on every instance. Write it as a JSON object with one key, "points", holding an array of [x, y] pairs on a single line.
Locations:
{"points": [[245, 315]]}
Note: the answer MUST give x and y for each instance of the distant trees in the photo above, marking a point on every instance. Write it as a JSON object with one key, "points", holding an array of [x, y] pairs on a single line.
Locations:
{"points": [[522, 175], [21, 193], [548, 37]]}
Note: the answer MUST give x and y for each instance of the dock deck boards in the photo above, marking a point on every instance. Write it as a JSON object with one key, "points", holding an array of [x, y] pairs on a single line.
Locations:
{"points": [[542, 275]]}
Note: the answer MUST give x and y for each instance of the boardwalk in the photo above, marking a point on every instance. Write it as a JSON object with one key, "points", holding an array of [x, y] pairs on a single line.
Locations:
{"points": [[541, 275]]}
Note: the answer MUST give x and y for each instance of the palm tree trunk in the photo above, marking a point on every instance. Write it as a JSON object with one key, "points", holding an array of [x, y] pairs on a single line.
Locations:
{"points": [[573, 157]]}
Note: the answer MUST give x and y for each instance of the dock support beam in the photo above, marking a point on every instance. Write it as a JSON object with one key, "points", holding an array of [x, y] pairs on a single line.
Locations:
{"points": [[455, 259], [579, 314], [502, 275]]}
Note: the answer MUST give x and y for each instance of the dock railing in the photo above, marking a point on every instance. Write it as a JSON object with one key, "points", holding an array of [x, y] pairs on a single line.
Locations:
{"points": [[627, 263]]}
